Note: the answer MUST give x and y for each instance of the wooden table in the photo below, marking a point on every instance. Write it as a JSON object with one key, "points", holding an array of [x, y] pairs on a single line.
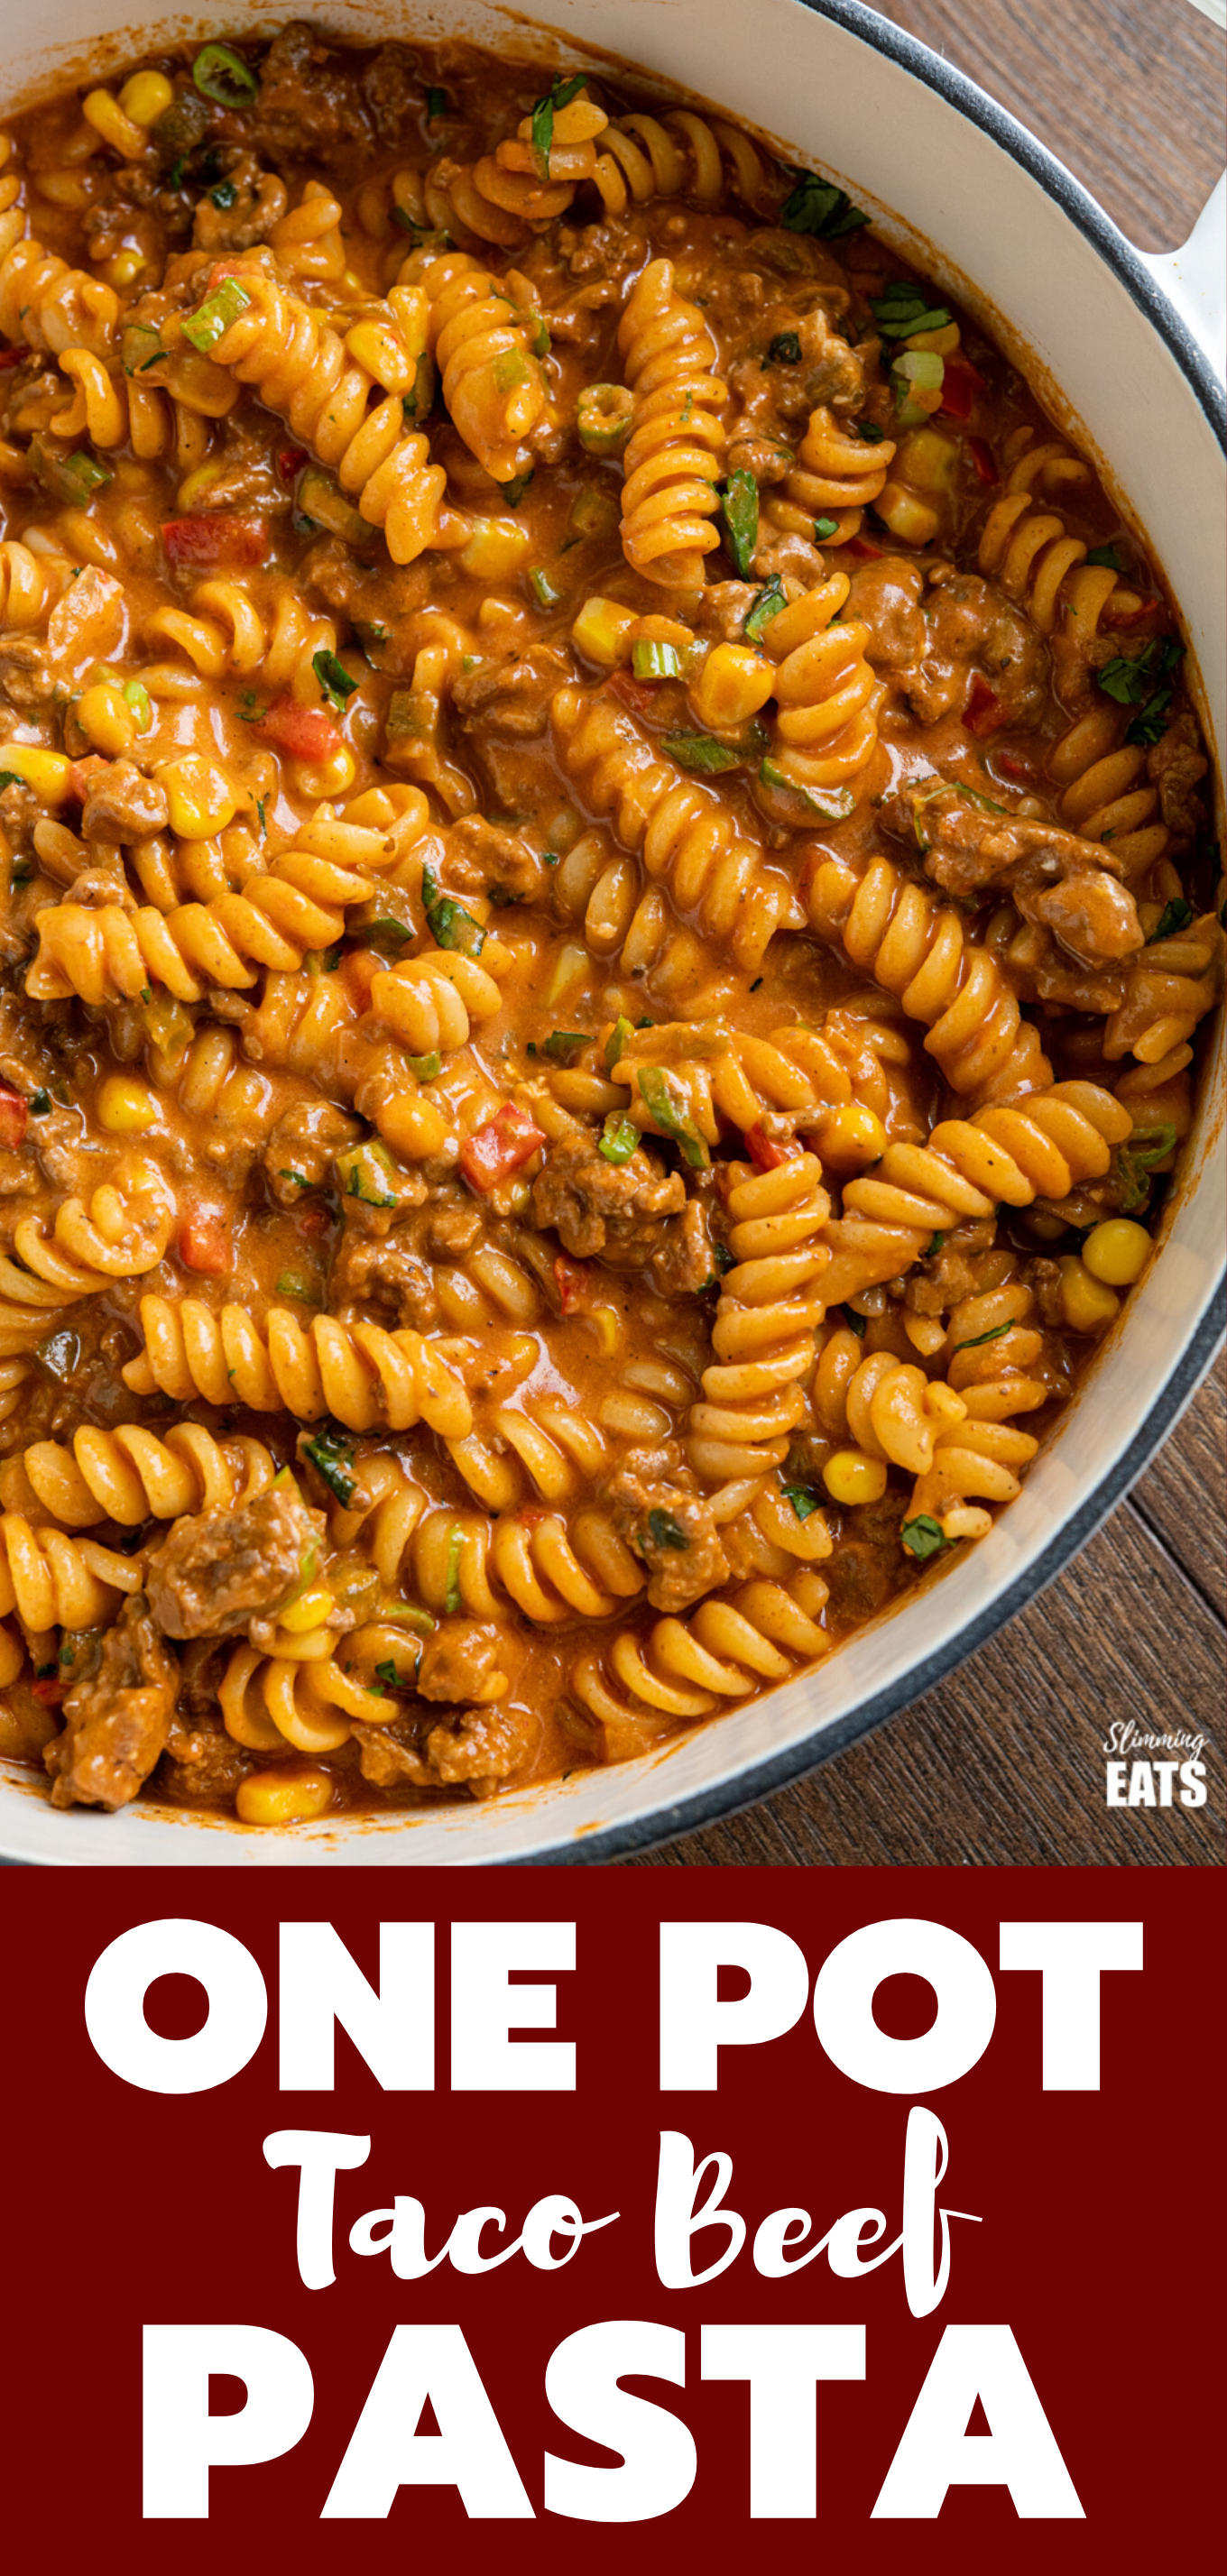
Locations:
{"points": [[1002, 1762]]}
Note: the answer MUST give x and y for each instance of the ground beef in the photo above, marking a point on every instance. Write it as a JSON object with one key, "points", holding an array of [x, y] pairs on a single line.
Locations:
{"points": [[1043, 1278], [936, 1285], [605, 1211], [673, 1533], [386, 1273], [301, 112], [116, 1715], [202, 1767], [684, 1264], [1056, 879], [299, 1152], [121, 804], [970, 625], [219, 1569], [1176, 764], [486, 858], [476, 1749], [511, 697], [457, 1662], [393, 92], [886, 592]]}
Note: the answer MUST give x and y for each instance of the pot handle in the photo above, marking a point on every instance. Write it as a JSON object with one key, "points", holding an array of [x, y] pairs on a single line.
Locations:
{"points": [[1194, 280]]}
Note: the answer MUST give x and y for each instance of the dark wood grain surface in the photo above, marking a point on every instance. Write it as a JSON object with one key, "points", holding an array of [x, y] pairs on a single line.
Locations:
{"points": [[1004, 1761]]}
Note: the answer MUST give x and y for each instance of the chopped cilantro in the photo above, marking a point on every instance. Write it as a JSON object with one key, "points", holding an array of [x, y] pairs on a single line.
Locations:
{"points": [[671, 1115], [784, 350], [665, 1531], [542, 137], [803, 1501], [739, 509], [1108, 556], [1144, 680], [765, 605], [854, 1322], [924, 1537], [331, 1450], [1175, 916], [700, 752], [335, 683], [817, 206], [451, 1590], [450, 925], [824, 528], [992, 1335], [901, 310], [870, 432]]}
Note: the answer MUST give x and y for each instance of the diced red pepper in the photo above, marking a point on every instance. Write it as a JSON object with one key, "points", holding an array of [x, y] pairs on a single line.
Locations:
{"points": [[636, 695], [984, 712], [50, 1689], [215, 537], [305, 732], [1115, 616], [1020, 769], [14, 1116], [981, 456], [765, 1151], [84, 774], [862, 546], [11, 357], [572, 1278], [498, 1149], [961, 382], [313, 1222], [203, 1242], [357, 970], [289, 461]]}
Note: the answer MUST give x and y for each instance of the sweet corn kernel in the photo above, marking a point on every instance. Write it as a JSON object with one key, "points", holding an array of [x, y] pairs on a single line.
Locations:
{"points": [[283, 1797], [145, 97], [330, 777], [943, 341], [199, 796], [496, 547], [106, 720], [47, 772], [608, 1332], [851, 1478], [107, 117], [602, 631], [912, 521], [1088, 1302], [309, 1611], [125, 1105], [1116, 1252], [929, 458], [851, 1137], [125, 267], [732, 685]]}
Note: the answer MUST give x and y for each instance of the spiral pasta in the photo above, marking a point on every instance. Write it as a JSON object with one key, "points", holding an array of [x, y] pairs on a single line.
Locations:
{"points": [[681, 1669], [543, 1438], [225, 630], [826, 694], [894, 927], [130, 1475], [548, 1566], [302, 1701], [43, 301], [488, 351], [430, 1002], [675, 452], [763, 1333], [30, 584], [53, 1581], [122, 1232], [1008, 1155], [302, 369], [296, 905], [686, 836], [836, 475], [357, 1372]]}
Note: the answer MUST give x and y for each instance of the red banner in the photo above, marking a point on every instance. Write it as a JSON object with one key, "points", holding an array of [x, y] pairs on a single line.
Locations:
{"points": [[752, 2213]]}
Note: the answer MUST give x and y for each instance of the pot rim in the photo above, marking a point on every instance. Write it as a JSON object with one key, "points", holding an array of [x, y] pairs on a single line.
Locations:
{"points": [[747, 1785]]}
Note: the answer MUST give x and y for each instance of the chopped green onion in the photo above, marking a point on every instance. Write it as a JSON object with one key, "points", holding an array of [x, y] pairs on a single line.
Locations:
{"points": [[212, 319], [437, 104], [651, 661], [619, 1137], [516, 489], [1175, 916], [817, 206], [365, 1176], [542, 137], [80, 475], [672, 1118], [593, 513], [831, 804], [900, 311], [336, 685], [936, 1244], [136, 695], [331, 1451], [617, 1041], [603, 416], [563, 1045], [921, 367], [699, 752], [764, 606], [739, 509], [543, 589], [450, 925], [295, 1283], [425, 1067], [1134, 1161], [824, 528], [924, 1537], [451, 1589], [665, 1531], [221, 74]]}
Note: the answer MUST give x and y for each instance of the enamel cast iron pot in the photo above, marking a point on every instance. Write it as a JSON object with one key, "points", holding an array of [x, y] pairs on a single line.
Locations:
{"points": [[1123, 349]]}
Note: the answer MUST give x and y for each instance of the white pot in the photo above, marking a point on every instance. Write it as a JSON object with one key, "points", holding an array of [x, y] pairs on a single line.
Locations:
{"points": [[1107, 338]]}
